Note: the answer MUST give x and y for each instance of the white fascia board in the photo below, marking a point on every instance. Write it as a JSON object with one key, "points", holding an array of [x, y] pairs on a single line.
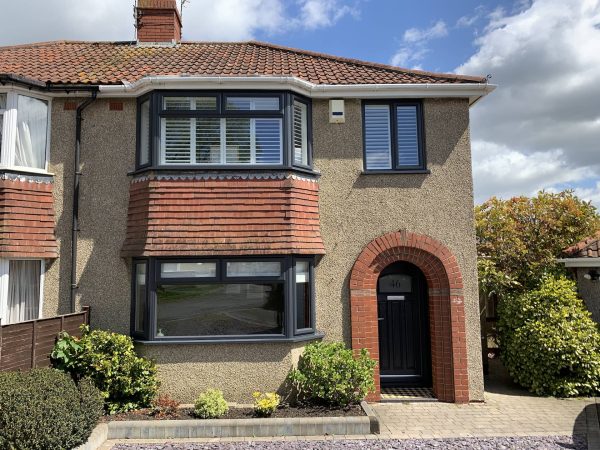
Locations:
{"points": [[580, 262], [473, 91]]}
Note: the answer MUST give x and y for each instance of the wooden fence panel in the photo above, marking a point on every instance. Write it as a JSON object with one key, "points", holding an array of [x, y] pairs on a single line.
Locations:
{"points": [[28, 345]]}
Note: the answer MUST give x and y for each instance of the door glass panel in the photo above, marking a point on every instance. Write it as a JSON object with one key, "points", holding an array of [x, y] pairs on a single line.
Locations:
{"points": [[395, 283]]}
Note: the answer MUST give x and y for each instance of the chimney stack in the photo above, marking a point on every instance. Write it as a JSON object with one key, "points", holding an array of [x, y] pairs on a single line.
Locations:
{"points": [[158, 21]]}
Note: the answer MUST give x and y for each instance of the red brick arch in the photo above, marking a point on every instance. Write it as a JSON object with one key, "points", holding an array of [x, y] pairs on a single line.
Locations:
{"points": [[446, 307]]}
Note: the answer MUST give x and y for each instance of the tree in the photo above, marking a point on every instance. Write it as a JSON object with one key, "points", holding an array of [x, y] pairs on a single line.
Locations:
{"points": [[518, 240]]}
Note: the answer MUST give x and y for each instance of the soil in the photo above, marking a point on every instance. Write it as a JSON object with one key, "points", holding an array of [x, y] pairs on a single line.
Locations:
{"points": [[245, 413]]}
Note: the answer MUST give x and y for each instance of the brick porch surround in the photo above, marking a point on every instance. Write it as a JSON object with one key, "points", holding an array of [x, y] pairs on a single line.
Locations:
{"points": [[446, 307]]}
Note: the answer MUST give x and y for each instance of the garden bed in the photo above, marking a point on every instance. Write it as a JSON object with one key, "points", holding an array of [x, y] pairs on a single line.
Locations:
{"points": [[244, 413]]}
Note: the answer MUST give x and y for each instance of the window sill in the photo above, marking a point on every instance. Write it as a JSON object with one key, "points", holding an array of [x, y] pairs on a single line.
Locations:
{"points": [[396, 172], [26, 171], [224, 169], [265, 340]]}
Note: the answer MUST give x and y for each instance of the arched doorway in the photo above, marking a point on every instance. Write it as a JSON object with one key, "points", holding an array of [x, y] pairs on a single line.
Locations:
{"points": [[403, 325], [445, 300]]}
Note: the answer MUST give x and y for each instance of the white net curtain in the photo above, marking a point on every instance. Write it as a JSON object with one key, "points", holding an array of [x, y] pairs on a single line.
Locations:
{"points": [[23, 290], [32, 131]]}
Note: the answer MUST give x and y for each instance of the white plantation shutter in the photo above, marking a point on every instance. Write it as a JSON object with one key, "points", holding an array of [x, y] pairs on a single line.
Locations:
{"points": [[176, 135], [300, 133], [238, 145], [190, 103], [267, 141], [408, 136], [378, 141], [252, 104], [208, 140]]}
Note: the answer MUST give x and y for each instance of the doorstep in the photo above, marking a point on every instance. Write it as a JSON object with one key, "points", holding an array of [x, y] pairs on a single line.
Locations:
{"points": [[235, 428]]}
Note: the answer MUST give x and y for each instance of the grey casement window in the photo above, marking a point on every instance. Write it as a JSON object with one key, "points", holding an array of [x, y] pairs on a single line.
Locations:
{"points": [[393, 136], [268, 298], [223, 130]]}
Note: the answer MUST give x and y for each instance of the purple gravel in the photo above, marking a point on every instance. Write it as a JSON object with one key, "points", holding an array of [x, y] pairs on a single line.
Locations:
{"points": [[498, 443]]}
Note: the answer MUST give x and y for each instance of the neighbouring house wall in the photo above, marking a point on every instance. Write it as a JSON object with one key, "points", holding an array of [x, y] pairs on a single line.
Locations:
{"points": [[354, 209], [357, 208], [590, 293]]}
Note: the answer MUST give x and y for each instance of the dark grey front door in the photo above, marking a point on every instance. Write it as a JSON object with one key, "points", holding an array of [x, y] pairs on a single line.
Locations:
{"points": [[404, 350]]}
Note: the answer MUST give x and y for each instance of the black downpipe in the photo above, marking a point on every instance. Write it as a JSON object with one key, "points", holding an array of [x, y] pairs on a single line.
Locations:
{"points": [[76, 177]]}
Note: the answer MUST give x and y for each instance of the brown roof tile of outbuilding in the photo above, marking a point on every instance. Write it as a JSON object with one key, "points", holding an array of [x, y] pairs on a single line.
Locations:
{"points": [[588, 248], [72, 62]]}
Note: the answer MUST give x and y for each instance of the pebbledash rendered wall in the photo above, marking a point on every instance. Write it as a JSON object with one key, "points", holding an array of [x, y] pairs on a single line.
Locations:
{"points": [[354, 209]]}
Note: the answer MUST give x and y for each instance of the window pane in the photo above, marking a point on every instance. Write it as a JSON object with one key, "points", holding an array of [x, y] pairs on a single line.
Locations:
{"points": [[32, 127], [303, 295], [176, 140], [254, 269], [220, 309], [208, 140], [238, 141], [23, 290], [395, 283], [300, 133], [377, 137], [188, 270], [2, 101], [140, 296], [145, 133], [190, 103], [408, 139], [268, 141], [252, 104]]}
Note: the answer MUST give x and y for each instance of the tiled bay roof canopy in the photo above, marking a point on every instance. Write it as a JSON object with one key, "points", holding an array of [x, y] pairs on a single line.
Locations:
{"points": [[115, 63], [588, 248]]}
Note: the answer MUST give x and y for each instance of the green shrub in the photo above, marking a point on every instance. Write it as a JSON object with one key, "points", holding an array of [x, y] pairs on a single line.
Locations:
{"points": [[126, 381], [45, 409], [265, 404], [549, 343], [210, 405], [330, 374]]}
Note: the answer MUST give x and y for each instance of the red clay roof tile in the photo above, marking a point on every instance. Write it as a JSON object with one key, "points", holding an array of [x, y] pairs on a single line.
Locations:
{"points": [[588, 248], [72, 62]]}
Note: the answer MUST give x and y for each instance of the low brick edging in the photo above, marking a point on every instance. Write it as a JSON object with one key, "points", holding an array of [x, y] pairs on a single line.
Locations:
{"points": [[234, 428], [446, 307]]}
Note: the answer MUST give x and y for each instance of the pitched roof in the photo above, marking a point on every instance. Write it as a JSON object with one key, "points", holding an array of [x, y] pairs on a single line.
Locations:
{"points": [[588, 248], [72, 62]]}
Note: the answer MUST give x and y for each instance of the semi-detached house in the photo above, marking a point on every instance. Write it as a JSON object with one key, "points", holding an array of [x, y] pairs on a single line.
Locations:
{"points": [[227, 203]]}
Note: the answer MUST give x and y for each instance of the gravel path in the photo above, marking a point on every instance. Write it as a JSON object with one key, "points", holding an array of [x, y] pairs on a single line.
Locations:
{"points": [[499, 443]]}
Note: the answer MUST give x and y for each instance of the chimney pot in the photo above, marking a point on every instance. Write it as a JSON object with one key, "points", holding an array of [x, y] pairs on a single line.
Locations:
{"points": [[158, 21]]}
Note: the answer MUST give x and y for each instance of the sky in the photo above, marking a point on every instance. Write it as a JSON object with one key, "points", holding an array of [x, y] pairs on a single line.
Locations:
{"points": [[540, 129]]}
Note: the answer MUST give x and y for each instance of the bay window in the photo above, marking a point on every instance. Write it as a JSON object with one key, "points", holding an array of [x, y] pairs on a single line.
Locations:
{"points": [[21, 287], [224, 299], [223, 130], [23, 131], [393, 136]]}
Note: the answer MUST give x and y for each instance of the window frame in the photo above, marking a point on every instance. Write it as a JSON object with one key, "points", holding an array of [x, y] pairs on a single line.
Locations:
{"points": [[312, 290], [309, 132], [287, 279], [285, 113], [395, 168], [4, 283], [10, 123]]}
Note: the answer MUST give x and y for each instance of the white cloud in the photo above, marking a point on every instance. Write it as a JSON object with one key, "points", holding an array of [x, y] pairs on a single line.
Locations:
{"points": [[323, 13], [223, 20], [591, 194], [437, 30], [501, 171], [469, 20], [414, 44], [546, 62]]}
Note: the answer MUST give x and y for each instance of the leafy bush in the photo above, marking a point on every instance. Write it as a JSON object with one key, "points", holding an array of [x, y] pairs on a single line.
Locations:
{"points": [[45, 409], [549, 343], [210, 405], [126, 381], [164, 407], [330, 374], [265, 404]]}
